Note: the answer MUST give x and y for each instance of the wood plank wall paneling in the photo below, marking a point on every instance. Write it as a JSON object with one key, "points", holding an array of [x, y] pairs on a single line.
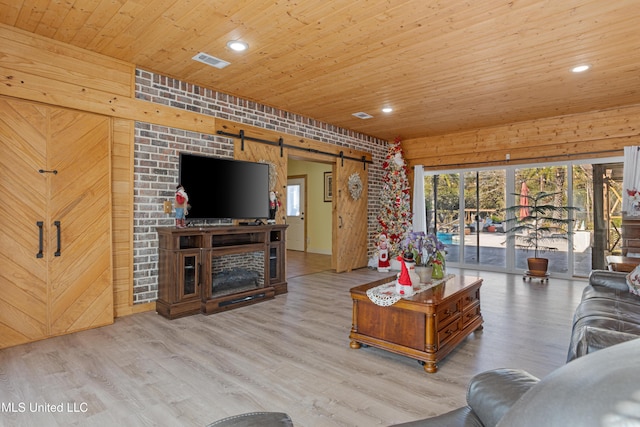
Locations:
{"points": [[23, 85], [122, 217], [579, 136], [32, 80], [63, 63]]}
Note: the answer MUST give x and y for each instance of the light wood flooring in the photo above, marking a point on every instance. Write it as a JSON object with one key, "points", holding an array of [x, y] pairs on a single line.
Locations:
{"points": [[303, 263], [290, 354]]}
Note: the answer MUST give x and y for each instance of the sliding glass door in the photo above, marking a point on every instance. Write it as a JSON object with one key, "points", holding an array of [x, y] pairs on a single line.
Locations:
{"points": [[583, 199], [555, 245], [444, 216], [484, 233], [466, 210]]}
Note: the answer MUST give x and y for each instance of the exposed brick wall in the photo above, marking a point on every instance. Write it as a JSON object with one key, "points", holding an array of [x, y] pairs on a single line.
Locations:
{"points": [[157, 151]]}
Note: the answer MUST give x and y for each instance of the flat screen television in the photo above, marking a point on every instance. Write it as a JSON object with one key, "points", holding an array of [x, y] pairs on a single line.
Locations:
{"points": [[224, 188]]}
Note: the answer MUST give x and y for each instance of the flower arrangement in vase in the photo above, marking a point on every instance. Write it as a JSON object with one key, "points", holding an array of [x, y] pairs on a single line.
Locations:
{"points": [[428, 253]]}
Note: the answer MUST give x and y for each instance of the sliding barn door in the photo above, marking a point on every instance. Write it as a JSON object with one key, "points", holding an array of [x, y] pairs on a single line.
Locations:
{"points": [[349, 216]]}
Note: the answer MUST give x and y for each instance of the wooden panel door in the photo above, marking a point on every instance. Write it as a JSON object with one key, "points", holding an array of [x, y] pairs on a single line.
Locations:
{"points": [[349, 218], [55, 235], [81, 294], [23, 192]]}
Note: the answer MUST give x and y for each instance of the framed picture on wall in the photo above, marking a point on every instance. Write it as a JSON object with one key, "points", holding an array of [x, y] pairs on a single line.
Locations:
{"points": [[328, 186]]}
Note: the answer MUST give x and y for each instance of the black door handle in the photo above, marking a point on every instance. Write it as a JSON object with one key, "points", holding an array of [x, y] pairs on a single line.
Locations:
{"points": [[57, 224], [40, 253]]}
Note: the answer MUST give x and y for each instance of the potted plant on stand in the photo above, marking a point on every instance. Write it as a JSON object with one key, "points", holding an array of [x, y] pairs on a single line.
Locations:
{"points": [[534, 222]]}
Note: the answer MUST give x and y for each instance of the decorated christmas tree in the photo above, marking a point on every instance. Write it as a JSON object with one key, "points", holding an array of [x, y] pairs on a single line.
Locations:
{"points": [[394, 218]]}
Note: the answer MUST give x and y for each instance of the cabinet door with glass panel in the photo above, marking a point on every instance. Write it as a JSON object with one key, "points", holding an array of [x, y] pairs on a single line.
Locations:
{"points": [[189, 264]]}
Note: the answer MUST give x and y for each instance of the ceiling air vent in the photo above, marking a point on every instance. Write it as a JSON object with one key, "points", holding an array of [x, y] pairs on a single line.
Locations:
{"points": [[362, 115], [211, 60]]}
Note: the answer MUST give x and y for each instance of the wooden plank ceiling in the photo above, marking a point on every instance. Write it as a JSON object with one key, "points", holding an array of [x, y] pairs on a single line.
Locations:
{"points": [[444, 66]]}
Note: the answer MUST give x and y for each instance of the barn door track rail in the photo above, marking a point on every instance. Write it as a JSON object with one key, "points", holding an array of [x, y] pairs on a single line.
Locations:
{"points": [[280, 143]]}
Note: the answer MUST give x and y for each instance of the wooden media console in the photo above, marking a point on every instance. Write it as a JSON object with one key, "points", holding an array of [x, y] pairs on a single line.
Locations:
{"points": [[217, 268]]}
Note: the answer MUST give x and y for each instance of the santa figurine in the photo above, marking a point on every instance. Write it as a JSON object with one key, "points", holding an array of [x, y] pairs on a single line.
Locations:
{"points": [[383, 254], [274, 204], [404, 286], [181, 205]]}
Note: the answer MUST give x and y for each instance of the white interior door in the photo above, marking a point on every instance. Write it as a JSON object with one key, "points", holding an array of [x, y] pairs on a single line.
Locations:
{"points": [[296, 206]]}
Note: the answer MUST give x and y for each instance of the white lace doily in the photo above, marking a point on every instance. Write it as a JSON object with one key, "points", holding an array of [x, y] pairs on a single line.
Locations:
{"points": [[385, 295]]}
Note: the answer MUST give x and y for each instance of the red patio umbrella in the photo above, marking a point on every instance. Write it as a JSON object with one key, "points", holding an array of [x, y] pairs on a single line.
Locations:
{"points": [[524, 201]]}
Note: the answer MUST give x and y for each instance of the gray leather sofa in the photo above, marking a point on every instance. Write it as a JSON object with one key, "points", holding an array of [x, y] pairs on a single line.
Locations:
{"points": [[600, 389], [608, 314]]}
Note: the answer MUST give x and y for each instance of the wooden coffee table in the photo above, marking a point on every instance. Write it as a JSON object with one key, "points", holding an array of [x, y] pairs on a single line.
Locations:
{"points": [[426, 327]]}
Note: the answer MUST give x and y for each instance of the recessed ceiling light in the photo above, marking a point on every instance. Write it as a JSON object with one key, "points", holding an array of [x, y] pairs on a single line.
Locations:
{"points": [[387, 109], [237, 45], [580, 68]]}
